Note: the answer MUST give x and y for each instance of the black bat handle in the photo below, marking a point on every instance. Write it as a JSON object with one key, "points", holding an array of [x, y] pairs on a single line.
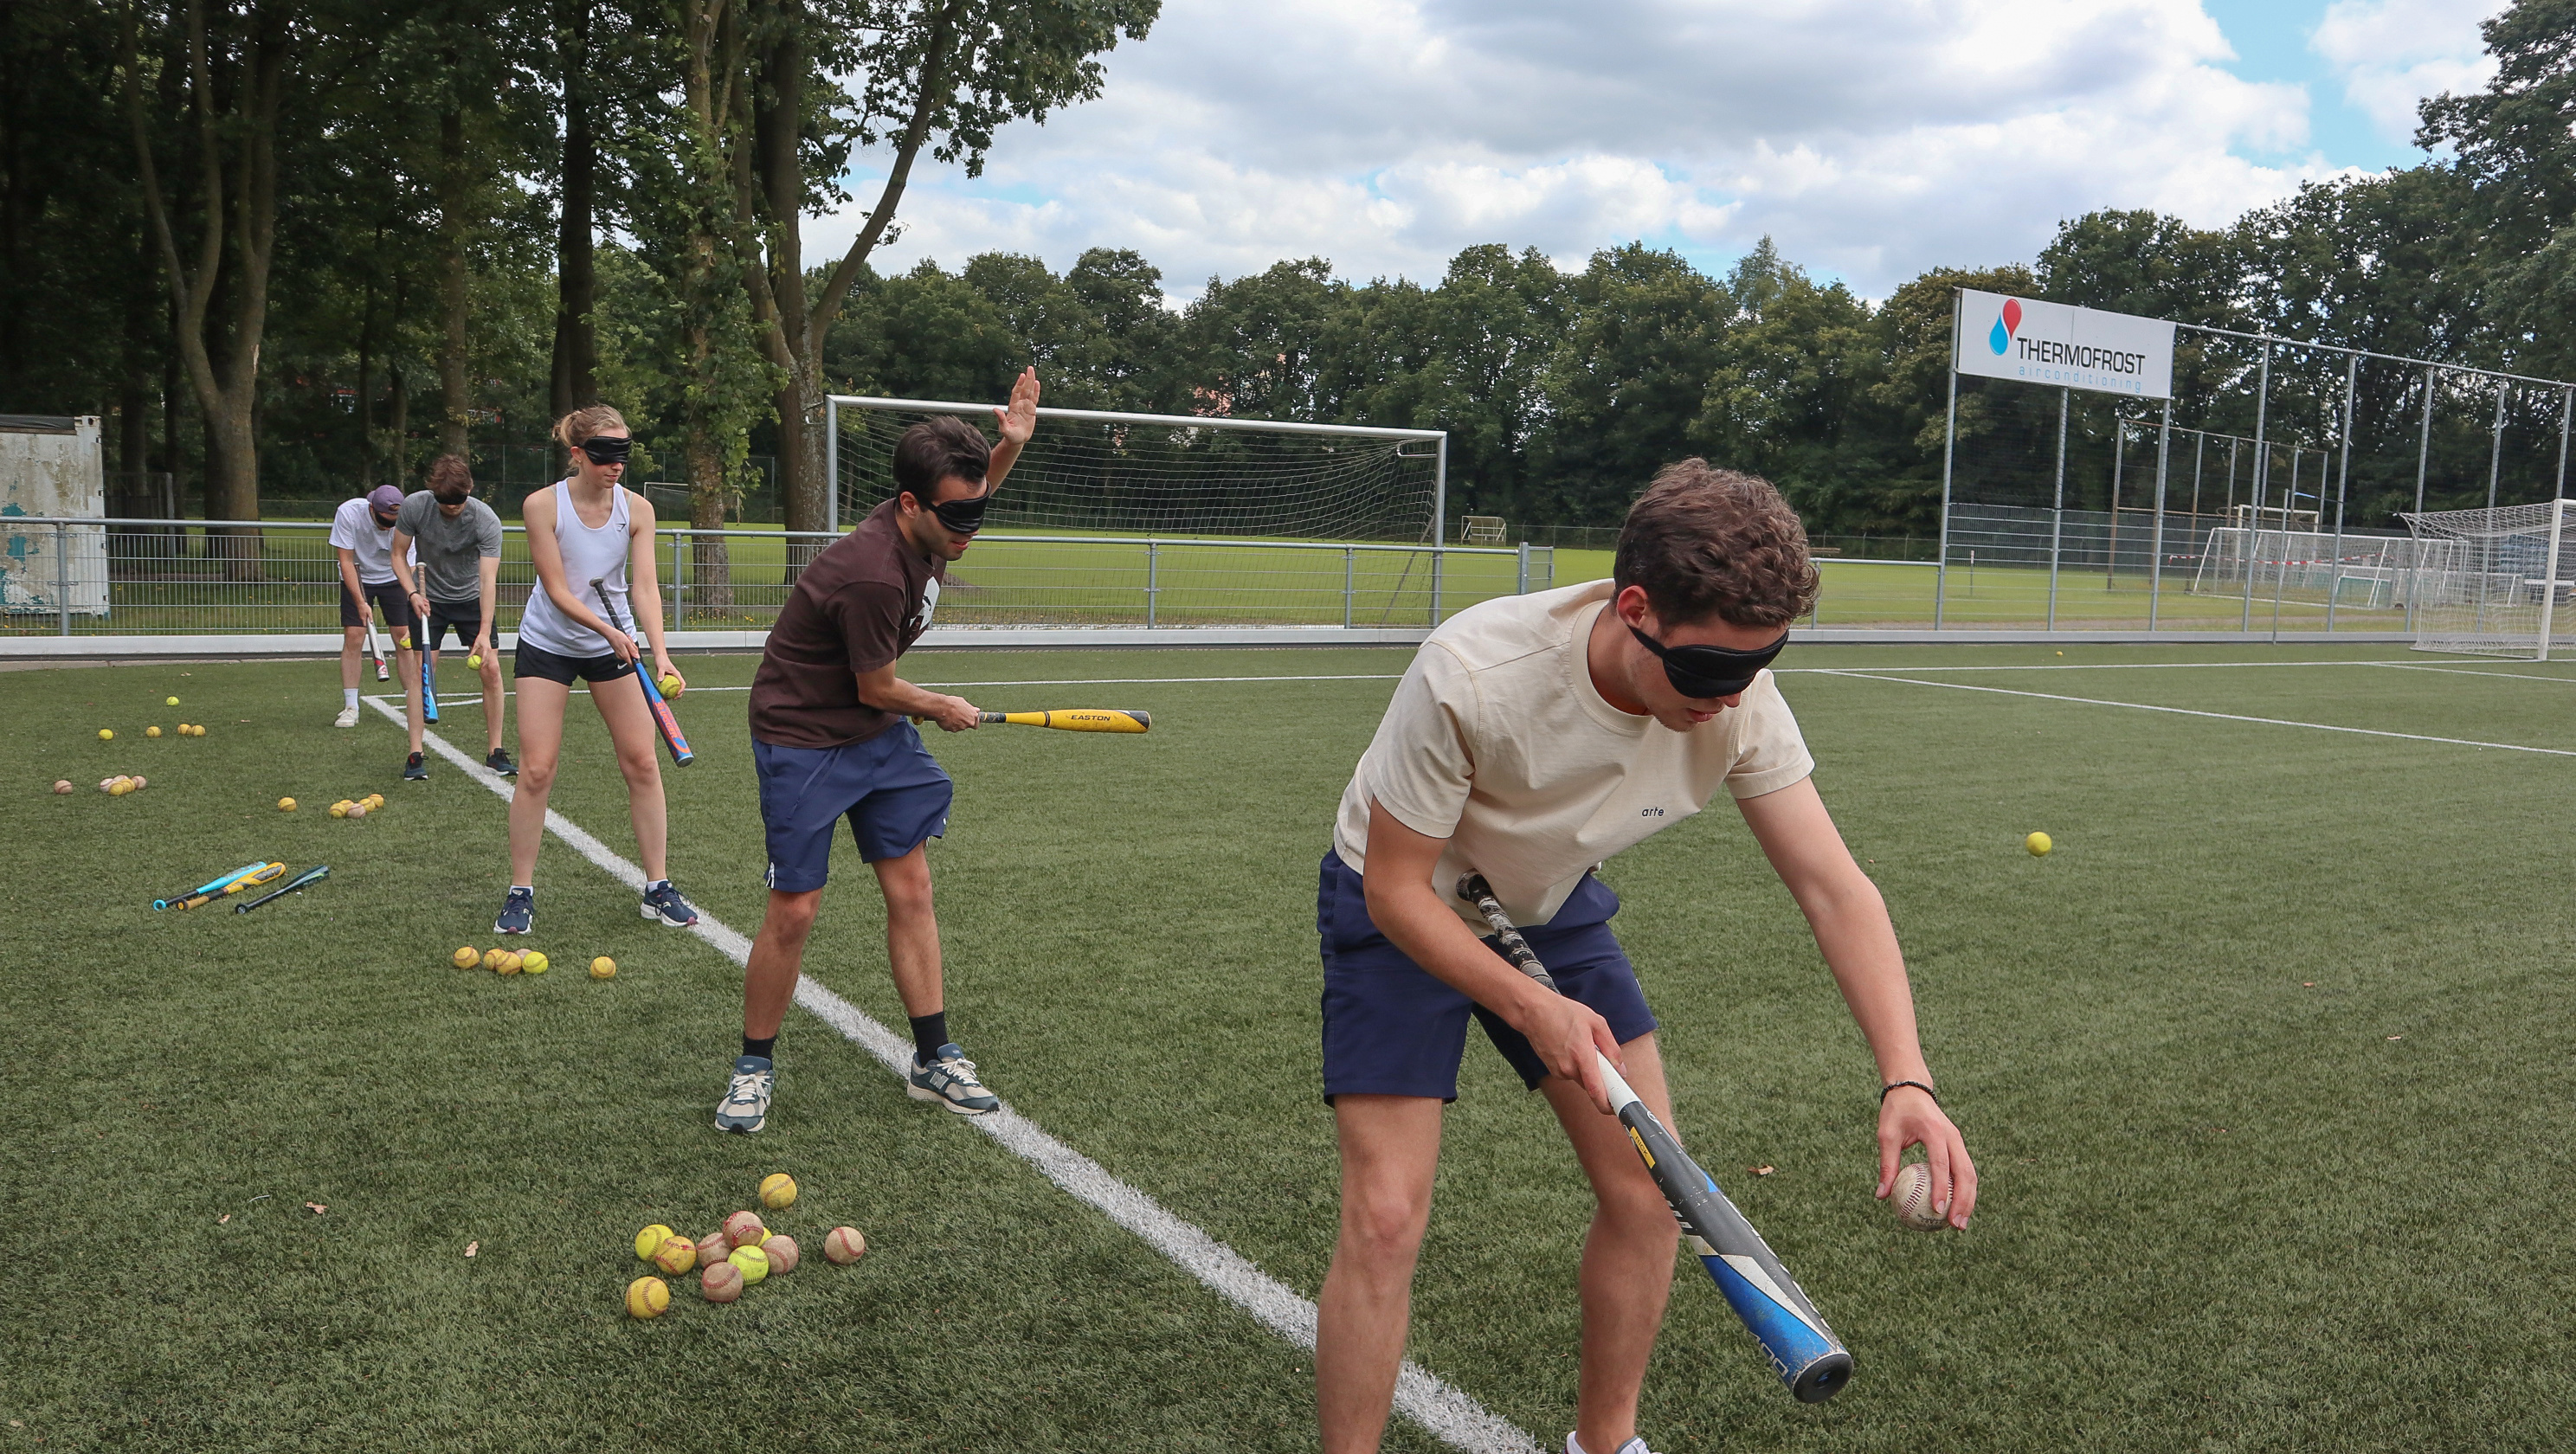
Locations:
{"points": [[1475, 890]]}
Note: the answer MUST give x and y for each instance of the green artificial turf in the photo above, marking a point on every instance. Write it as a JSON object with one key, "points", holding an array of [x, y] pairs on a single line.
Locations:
{"points": [[2223, 1208]]}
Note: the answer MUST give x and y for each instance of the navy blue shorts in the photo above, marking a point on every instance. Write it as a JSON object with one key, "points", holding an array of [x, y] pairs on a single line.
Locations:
{"points": [[892, 790], [1392, 1028]]}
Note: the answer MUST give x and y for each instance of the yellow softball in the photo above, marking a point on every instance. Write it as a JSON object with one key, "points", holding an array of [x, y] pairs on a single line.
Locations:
{"points": [[152, 731], [466, 958], [169, 701], [510, 963], [492, 958], [340, 809], [778, 1191], [646, 1297], [105, 735], [603, 968], [2038, 845], [532, 962], [650, 1240], [753, 1262], [286, 805]]}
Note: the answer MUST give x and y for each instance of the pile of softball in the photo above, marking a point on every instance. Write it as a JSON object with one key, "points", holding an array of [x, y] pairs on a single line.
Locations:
{"points": [[740, 1254]]}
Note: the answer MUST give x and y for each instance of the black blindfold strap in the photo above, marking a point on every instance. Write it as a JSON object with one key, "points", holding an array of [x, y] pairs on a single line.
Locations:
{"points": [[607, 449]]}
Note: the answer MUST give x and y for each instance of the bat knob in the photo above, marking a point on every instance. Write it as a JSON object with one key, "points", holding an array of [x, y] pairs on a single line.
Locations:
{"points": [[1822, 1379]]}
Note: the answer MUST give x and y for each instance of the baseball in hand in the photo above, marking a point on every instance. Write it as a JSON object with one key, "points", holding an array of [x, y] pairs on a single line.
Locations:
{"points": [[1911, 1198]]}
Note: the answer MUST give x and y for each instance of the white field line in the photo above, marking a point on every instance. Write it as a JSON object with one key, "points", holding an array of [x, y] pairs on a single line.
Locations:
{"points": [[1451, 1415], [2219, 716], [2469, 671]]}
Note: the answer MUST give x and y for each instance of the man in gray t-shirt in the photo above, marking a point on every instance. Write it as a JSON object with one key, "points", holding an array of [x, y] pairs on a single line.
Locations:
{"points": [[459, 543]]}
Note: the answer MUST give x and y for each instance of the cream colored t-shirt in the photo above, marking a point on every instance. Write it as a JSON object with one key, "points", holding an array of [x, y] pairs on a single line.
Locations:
{"points": [[1497, 741]]}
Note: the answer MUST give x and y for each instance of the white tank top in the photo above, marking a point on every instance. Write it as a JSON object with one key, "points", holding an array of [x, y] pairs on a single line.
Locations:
{"points": [[588, 555]]}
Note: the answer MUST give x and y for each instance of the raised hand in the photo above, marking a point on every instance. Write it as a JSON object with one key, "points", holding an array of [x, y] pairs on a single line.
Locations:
{"points": [[1019, 419]]}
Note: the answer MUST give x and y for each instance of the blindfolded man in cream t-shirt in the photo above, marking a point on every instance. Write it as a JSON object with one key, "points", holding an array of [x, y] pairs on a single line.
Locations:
{"points": [[1532, 738]]}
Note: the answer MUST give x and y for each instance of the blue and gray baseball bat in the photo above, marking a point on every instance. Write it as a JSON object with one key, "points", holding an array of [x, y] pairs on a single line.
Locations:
{"points": [[1803, 1351]]}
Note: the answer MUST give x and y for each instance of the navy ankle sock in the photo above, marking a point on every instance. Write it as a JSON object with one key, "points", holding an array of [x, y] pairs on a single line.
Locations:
{"points": [[760, 1048], [929, 1032]]}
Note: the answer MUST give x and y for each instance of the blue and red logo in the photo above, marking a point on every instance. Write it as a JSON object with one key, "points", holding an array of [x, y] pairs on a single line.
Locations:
{"points": [[2007, 324]]}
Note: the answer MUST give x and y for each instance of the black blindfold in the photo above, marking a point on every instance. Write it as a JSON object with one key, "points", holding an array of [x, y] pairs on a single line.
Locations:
{"points": [[964, 517], [607, 449], [1703, 673]]}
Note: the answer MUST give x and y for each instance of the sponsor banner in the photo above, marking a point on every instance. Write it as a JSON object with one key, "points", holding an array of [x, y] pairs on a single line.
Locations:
{"points": [[2032, 342]]}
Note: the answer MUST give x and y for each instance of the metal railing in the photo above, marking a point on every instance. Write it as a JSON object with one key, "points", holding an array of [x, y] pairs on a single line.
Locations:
{"points": [[90, 577]]}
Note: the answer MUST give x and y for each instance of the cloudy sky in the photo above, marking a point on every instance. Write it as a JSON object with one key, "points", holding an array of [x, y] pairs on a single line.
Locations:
{"points": [[1871, 138]]}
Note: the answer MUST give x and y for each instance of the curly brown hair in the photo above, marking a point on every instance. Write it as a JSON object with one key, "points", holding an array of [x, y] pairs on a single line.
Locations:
{"points": [[1710, 542], [450, 472]]}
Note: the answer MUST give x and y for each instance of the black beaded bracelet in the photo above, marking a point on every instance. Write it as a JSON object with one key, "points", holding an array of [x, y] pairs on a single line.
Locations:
{"points": [[1918, 1085]]}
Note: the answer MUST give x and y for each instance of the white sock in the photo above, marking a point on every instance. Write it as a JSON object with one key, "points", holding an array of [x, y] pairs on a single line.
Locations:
{"points": [[348, 696]]}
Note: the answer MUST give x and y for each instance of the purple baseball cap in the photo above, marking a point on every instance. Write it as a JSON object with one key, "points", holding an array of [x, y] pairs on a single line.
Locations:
{"points": [[384, 499]]}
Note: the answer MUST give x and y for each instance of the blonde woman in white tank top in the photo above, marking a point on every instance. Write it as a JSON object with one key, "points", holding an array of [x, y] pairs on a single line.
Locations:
{"points": [[586, 534]]}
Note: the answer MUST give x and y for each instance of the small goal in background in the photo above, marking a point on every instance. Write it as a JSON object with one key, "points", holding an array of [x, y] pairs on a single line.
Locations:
{"points": [[1483, 530]]}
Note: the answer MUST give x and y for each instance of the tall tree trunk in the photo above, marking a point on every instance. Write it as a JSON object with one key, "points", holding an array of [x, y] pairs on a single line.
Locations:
{"points": [[455, 402], [576, 359], [795, 337], [398, 431], [136, 496], [239, 214], [172, 396], [367, 379], [777, 129]]}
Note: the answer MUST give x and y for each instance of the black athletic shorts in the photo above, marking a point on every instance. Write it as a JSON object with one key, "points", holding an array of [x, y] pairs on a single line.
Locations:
{"points": [[389, 595], [536, 661], [465, 616]]}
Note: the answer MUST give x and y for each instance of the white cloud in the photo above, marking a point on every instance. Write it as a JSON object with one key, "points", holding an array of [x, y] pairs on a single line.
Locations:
{"points": [[1873, 138], [2395, 53]]}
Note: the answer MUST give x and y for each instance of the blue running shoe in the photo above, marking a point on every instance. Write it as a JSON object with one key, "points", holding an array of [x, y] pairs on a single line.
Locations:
{"points": [[950, 1080], [518, 913], [664, 906], [745, 1107]]}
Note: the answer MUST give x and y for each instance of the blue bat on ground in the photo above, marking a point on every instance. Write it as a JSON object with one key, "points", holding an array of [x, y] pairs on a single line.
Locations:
{"points": [[1803, 1351], [211, 886]]}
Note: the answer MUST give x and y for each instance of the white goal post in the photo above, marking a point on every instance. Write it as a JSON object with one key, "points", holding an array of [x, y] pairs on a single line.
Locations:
{"points": [[2491, 581], [1174, 474]]}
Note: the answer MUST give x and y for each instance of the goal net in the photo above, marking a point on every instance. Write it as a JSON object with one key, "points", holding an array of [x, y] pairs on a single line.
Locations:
{"points": [[1162, 474], [2493, 581], [2312, 567]]}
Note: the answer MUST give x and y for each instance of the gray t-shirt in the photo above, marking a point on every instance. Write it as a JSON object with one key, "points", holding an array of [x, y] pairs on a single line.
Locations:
{"points": [[450, 550]]}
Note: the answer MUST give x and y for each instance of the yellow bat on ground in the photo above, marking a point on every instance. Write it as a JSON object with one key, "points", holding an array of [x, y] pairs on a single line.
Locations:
{"points": [[1078, 719]]}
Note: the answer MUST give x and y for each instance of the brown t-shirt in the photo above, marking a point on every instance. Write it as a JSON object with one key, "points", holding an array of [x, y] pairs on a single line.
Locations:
{"points": [[858, 606]]}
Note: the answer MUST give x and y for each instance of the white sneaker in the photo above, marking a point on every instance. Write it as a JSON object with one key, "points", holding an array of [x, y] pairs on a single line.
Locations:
{"points": [[348, 717], [1633, 1446]]}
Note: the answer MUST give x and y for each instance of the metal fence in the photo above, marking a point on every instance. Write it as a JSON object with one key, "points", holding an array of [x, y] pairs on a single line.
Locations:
{"points": [[86, 577]]}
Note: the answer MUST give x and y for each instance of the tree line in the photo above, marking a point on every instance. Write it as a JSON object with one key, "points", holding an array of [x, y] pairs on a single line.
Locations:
{"points": [[293, 248]]}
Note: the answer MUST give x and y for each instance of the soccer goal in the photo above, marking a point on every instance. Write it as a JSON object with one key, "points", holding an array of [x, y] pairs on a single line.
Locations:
{"points": [[2492, 581], [1171, 474]]}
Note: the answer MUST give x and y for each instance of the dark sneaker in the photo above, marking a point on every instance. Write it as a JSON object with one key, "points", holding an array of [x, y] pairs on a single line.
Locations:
{"points": [[745, 1107], [500, 762], [665, 907], [415, 770], [949, 1079], [518, 913]]}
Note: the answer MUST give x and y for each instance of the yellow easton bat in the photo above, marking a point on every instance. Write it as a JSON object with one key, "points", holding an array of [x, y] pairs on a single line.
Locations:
{"points": [[1078, 719]]}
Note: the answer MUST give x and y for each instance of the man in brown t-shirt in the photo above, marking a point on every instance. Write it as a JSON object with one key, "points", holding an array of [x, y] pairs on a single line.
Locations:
{"points": [[832, 736]]}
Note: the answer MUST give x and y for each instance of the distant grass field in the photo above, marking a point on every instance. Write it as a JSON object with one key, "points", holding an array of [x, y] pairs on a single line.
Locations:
{"points": [[2266, 1068], [1004, 579]]}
